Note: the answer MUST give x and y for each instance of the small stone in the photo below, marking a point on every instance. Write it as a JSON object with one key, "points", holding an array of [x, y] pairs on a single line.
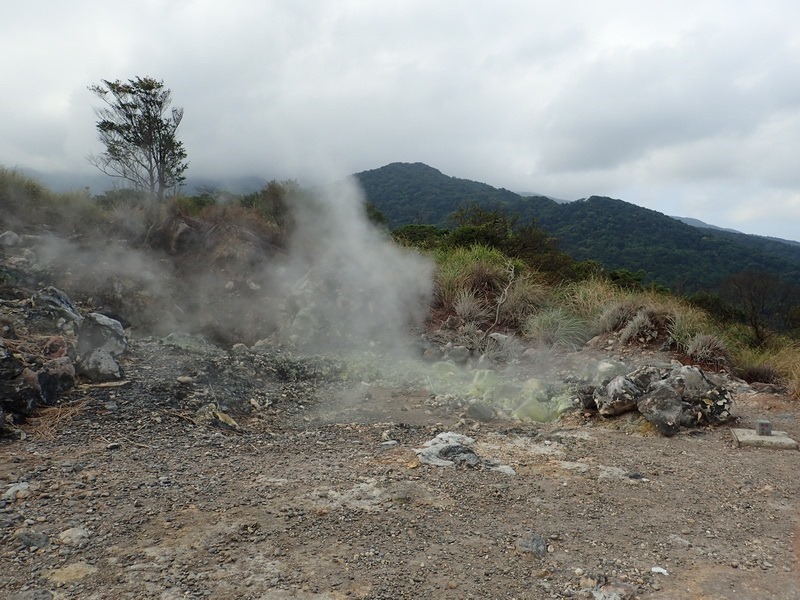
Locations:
{"points": [[452, 585], [185, 380], [73, 536]]}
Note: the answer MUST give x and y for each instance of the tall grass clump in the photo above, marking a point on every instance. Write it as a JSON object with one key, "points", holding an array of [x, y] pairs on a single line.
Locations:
{"points": [[470, 307], [555, 327], [479, 269], [523, 296], [589, 297], [707, 349]]}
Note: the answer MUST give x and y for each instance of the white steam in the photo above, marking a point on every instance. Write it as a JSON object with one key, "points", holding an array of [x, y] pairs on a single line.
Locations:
{"points": [[349, 282]]}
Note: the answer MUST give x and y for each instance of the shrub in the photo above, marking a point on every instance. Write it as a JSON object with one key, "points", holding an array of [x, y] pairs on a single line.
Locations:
{"points": [[639, 327]]}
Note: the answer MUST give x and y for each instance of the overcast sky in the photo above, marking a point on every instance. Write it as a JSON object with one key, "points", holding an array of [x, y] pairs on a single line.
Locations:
{"points": [[690, 108]]}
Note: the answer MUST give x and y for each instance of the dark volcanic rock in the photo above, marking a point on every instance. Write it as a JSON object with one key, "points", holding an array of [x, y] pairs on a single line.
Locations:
{"points": [[662, 406]]}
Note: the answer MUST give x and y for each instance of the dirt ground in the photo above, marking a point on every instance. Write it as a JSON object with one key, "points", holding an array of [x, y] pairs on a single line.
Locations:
{"points": [[123, 493]]}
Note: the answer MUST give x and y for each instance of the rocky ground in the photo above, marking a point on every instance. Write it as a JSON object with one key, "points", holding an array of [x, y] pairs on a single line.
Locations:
{"points": [[127, 490], [175, 468]]}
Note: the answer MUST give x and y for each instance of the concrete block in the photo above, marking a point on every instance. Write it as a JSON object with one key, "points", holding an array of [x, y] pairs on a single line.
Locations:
{"points": [[749, 437]]}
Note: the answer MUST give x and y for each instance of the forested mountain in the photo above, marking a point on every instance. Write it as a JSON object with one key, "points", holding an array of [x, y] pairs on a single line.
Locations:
{"points": [[617, 234]]}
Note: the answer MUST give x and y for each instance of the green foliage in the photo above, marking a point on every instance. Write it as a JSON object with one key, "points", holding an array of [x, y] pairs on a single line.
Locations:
{"points": [[274, 201], [625, 279], [424, 237], [139, 132], [479, 270], [522, 297], [616, 234], [618, 314], [25, 203], [470, 307], [375, 216]]}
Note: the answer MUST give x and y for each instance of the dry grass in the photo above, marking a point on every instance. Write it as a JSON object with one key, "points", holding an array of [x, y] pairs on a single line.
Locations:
{"points": [[468, 306], [777, 363], [47, 422], [707, 349], [590, 297], [524, 296]]}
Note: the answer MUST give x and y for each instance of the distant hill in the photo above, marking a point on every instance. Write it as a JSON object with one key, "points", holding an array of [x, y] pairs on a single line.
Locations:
{"points": [[701, 224], [617, 234]]}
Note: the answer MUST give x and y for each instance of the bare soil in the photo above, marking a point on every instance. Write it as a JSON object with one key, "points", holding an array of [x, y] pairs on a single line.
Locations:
{"points": [[311, 498]]}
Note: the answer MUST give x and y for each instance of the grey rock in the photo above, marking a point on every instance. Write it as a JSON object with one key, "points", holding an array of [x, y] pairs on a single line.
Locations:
{"points": [[74, 536], [480, 411], [31, 538], [714, 406], [100, 366], [689, 381], [619, 396], [11, 493], [32, 595], [645, 376], [533, 544], [458, 354], [9, 238], [98, 331], [54, 300], [21, 395], [10, 366], [55, 377]]}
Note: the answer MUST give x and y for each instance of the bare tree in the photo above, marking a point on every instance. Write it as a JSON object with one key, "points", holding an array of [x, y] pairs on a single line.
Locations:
{"points": [[138, 129], [763, 298]]}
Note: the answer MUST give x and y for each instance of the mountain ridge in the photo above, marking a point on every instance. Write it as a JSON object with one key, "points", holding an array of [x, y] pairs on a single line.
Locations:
{"points": [[619, 234]]}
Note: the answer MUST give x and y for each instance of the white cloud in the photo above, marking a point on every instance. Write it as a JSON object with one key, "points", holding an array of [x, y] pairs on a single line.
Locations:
{"points": [[666, 104]]}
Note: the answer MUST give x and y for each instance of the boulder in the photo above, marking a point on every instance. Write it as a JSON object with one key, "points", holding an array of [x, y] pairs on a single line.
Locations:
{"points": [[458, 354], [21, 395], [10, 365], [645, 376], [619, 396], [55, 377], [689, 381], [99, 365], [54, 300], [663, 407], [714, 406], [99, 332], [9, 238]]}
